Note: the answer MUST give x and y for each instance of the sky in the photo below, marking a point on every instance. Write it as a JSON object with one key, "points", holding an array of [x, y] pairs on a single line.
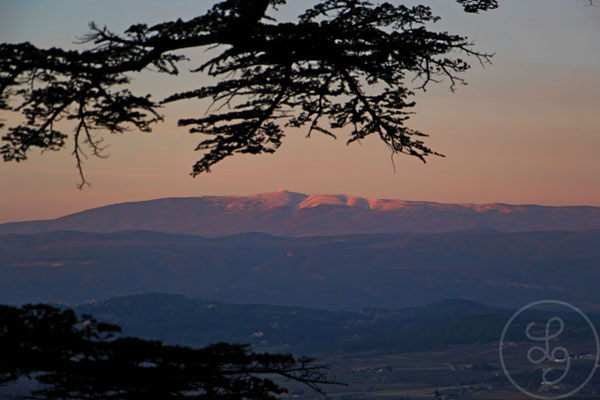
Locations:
{"points": [[525, 130]]}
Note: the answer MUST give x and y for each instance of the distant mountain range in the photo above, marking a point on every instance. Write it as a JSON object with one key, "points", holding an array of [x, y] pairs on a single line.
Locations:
{"points": [[346, 272], [294, 214]]}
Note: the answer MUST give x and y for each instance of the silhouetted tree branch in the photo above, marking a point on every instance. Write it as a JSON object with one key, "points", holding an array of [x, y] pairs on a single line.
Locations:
{"points": [[80, 358], [344, 62]]}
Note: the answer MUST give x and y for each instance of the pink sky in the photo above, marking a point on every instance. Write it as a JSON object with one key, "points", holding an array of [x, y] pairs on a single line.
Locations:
{"points": [[525, 130]]}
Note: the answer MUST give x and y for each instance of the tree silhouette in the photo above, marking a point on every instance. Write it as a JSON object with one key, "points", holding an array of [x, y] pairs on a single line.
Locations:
{"points": [[80, 358], [343, 63]]}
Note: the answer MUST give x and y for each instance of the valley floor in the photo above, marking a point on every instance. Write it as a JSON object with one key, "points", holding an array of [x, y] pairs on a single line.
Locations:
{"points": [[461, 372]]}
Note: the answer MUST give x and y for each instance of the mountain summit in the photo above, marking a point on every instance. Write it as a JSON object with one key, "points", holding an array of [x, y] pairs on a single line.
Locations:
{"points": [[296, 214]]}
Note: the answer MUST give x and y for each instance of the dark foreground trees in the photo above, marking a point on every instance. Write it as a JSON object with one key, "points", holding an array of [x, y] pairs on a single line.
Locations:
{"points": [[343, 63], [79, 358]]}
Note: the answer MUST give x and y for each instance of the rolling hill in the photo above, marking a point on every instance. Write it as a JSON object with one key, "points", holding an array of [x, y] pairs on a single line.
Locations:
{"points": [[176, 319]]}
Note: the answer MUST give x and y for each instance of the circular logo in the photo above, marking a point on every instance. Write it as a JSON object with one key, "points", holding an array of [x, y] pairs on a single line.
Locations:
{"points": [[545, 354]]}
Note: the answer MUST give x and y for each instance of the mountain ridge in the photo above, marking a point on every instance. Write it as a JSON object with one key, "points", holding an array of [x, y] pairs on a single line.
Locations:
{"points": [[298, 214]]}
